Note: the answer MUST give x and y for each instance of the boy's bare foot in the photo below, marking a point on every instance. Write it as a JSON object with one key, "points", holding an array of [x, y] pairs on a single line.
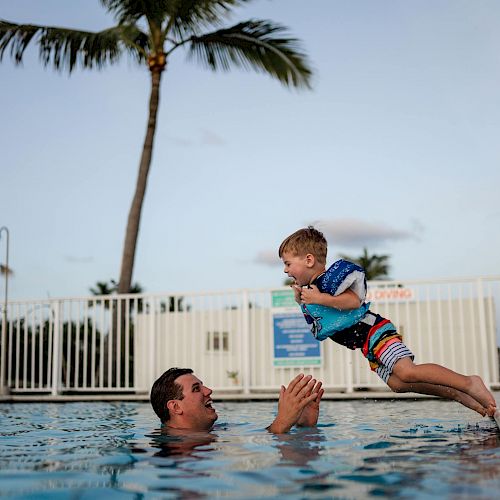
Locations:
{"points": [[481, 394], [468, 401], [491, 410]]}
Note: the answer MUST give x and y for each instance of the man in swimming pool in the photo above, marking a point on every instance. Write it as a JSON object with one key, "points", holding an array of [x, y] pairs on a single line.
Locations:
{"points": [[181, 401]]}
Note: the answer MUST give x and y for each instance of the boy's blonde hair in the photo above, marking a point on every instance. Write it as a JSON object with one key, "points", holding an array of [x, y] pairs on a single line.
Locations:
{"points": [[304, 241]]}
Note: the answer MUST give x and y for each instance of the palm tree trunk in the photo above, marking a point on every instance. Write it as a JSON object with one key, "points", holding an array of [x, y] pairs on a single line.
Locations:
{"points": [[132, 231], [134, 215]]}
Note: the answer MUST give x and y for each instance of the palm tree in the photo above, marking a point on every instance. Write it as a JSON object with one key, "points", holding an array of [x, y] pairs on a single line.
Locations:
{"points": [[111, 288], [6, 270], [375, 266], [150, 31], [105, 288]]}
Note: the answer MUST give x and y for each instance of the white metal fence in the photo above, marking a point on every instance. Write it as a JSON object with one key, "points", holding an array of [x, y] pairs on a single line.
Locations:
{"points": [[110, 344]]}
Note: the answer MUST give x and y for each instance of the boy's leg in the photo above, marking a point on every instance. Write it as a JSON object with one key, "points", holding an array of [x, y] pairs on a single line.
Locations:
{"points": [[397, 385], [430, 373]]}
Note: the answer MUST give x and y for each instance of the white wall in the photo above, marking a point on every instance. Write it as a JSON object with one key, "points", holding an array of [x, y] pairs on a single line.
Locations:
{"points": [[456, 333]]}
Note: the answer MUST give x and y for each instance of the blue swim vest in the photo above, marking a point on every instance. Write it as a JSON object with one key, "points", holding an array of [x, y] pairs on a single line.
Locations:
{"points": [[340, 276]]}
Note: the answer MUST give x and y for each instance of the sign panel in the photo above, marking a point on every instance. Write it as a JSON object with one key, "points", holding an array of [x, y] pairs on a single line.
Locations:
{"points": [[284, 298], [294, 344], [393, 294]]}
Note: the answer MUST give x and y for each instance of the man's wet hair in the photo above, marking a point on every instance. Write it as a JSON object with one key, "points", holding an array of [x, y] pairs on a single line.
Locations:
{"points": [[165, 389]]}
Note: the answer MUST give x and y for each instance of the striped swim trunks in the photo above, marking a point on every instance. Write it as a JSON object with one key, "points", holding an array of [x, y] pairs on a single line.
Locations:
{"points": [[379, 341], [388, 358], [383, 346]]}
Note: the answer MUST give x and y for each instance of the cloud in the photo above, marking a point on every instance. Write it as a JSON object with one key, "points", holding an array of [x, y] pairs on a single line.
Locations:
{"points": [[352, 233], [78, 260], [268, 257], [358, 233], [179, 141], [417, 228], [210, 138], [206, 138], [492, 216]]}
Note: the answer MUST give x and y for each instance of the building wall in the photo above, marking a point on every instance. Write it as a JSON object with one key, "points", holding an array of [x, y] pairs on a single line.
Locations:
{"points": [[453, 332]]}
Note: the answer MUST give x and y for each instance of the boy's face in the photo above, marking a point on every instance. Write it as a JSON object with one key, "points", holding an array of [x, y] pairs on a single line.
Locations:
{"points": [[299, 267]]}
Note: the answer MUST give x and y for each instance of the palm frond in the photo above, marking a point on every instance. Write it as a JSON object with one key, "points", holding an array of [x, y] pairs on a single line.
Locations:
{"points": [[103, 288], [18, 36], [130, 11], [255, 44], [6, 270], [65, 48], [190, 17], [182, 17], [375, 266]]}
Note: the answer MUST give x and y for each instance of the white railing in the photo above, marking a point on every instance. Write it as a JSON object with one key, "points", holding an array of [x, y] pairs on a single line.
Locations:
{"points": [[115, 345]]}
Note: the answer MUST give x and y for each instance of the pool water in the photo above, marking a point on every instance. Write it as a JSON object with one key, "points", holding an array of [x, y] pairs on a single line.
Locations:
{"points": [[400, 448]]}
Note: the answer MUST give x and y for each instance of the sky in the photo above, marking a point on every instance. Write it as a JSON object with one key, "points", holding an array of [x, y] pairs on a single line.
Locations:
{"points": [[395, 148]]}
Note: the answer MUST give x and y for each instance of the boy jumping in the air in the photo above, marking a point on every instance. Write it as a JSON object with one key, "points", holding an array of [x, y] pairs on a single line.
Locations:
{"points": [[333, 302]]}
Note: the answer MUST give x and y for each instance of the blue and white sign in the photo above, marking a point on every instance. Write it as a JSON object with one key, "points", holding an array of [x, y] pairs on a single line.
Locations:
{"points": [[294, 344]]}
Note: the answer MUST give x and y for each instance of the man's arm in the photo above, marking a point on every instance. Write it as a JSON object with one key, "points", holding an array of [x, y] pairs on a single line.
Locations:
{"points": [[344, 301], [293, 399]]}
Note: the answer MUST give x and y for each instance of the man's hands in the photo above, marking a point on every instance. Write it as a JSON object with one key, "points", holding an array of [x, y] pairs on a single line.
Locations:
{"points": [[310, 413], [301, 392]]}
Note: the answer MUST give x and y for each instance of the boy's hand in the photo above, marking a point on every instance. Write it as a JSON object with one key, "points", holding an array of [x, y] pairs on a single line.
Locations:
{"points": [[310, 295], [296, 290]]}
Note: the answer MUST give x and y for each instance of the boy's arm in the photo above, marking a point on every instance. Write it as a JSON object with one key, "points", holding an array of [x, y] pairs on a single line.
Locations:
{"points": [[344, 301]]}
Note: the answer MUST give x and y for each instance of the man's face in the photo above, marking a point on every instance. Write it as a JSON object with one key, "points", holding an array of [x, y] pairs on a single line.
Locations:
{"points": [[196, 405], [298, 267]]}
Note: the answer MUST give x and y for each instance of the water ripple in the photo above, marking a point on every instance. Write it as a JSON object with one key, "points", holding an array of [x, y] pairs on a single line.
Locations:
{"points": [[360, 449]]}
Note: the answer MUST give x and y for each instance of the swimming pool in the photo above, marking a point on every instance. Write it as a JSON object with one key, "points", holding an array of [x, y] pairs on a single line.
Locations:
{"points": [[401, 448]]}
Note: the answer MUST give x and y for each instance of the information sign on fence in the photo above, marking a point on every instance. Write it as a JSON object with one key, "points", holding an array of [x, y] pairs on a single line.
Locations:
{"points": [[294, 344], [394, 294]]}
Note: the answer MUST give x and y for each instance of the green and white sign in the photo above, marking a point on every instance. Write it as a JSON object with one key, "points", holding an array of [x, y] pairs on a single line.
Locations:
{"points": [[283, 298]]}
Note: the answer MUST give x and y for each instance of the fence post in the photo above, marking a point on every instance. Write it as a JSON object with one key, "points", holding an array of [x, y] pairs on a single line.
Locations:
{"points": [[350, 368], [56, 350], [3, 355], [245, 342], [483, 334], [152, 341]]}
